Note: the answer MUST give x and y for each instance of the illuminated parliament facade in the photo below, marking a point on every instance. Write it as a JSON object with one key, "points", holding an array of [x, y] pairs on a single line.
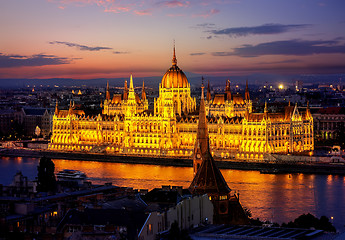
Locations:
{"points": [[127, 126]]}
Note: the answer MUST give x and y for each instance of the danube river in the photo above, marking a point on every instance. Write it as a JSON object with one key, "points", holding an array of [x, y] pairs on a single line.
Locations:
{"points": [[274, 197]]}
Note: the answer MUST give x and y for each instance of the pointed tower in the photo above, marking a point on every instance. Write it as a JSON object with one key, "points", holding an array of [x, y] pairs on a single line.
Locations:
{"points": [[208, 95], [209, 180], [307, 112], [265, 111], [125, 91], [131, 93], [174, 60], [70, 110], [56, 108], [107, 96], [131, 104], [228, 90], [246, 94], [143, 93]]}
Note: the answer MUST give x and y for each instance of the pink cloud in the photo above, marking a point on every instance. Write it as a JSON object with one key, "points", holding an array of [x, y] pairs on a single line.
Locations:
{"points": [[142, 7], [207, 13], [143, 12], [108, 5], [174, 3], [115, 9]]}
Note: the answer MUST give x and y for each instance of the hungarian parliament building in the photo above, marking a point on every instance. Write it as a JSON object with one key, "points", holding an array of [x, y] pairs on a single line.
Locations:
{"points": [[127, 126]]}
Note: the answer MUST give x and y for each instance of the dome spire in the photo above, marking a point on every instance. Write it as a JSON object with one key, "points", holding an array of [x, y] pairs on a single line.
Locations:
{"points": [[174, 60]]}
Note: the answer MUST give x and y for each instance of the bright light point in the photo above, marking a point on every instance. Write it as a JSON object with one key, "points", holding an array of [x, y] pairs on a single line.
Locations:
{"points": [[281, 86]]}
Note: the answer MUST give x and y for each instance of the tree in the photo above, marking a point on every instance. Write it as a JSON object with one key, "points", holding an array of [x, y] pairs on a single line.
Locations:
{"points": [[45, 175], [310, 221]]}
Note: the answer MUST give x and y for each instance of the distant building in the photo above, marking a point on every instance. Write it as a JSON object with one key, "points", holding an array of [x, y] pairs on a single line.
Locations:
{"points": [[7, 118], [127, 126], [37, 117], [329, 123]]}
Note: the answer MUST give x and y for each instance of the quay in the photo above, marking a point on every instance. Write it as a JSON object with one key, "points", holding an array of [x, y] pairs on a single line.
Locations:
{"points": [[264, 166]]}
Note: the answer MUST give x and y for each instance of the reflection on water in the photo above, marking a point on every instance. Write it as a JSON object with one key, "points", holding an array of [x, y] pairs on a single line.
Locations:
{"points": [[130, 175], [277, 197]]}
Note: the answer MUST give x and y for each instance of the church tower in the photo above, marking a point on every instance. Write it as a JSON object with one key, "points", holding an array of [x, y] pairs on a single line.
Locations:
{"points": [[209, 180]]}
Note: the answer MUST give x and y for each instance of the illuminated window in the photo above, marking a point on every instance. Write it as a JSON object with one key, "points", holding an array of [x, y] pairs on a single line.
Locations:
{"points": [[149, 229], [223, 197]]}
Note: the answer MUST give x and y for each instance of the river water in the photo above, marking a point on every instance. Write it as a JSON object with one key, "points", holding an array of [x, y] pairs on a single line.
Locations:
{"points": [[276, 197]]}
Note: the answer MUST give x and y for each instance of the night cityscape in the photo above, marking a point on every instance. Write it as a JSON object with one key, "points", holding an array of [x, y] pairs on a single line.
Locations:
{"points": [[172, 119]]}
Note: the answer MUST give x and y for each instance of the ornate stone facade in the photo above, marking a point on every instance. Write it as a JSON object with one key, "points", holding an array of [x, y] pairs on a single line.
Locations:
{"points": [[126, 126]]}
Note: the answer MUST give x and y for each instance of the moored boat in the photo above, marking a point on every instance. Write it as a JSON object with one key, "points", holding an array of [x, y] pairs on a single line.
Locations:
{"points": [[70, 175]]}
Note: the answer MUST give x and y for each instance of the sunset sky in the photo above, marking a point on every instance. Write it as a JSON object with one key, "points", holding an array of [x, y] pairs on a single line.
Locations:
{"points": [[85, 39]]}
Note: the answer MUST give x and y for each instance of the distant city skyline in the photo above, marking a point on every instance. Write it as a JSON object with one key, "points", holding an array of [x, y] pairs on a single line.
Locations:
{"points": [[85, 39]]}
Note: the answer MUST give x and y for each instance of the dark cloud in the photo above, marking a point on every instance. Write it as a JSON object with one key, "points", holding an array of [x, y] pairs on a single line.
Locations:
{"points": [[289, 47], [118, 52], [81, 47], [258, 30], [282, 62], [197, 54], [7, 61], [205, 25]]}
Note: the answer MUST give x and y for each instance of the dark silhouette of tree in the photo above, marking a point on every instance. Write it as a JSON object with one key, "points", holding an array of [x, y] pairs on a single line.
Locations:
{"points": [[45, 175], [309, 221]]}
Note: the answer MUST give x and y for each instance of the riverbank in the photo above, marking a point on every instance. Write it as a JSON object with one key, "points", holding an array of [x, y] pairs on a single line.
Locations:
{"points": [[273, 167]]}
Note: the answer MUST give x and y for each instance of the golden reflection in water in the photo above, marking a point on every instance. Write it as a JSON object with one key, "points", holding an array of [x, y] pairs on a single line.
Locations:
{"points": [[277, 197], [137, 176], [269, 195]]}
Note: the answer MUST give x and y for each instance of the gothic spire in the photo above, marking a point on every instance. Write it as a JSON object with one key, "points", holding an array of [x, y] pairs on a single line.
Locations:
{"points": [[202, 134], [208, 95], [56, 108], [228, 90], [307, 113], [125, 91], [246, 95], [174, 60], [107, 96], [208, 179], [131, 83], [131, 93], [266, 111]]}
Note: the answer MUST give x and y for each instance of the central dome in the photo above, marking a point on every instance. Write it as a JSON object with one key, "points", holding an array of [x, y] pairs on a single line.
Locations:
{"points": [[174, 77]]}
